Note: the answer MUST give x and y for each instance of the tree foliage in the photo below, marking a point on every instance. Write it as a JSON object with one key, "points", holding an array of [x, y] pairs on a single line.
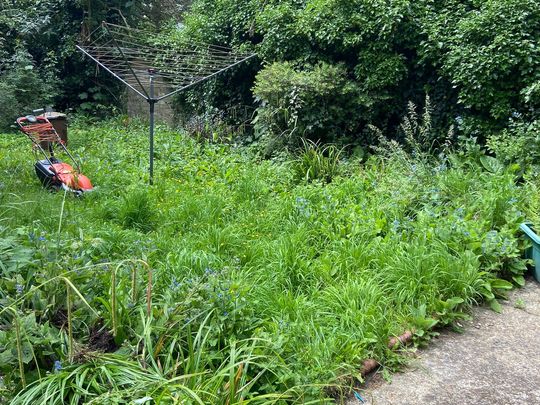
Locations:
{"points": [[489, 51], [341, 65], [478, 60], [44, 33]]}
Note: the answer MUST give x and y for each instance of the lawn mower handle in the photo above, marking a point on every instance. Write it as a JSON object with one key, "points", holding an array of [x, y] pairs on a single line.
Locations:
{"points": [[27, 120]]}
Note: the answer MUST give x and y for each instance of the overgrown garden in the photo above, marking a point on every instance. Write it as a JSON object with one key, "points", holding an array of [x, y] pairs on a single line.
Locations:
{"points": [[389, 158]]}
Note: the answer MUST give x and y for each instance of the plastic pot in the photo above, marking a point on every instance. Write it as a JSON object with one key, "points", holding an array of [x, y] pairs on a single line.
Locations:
{"points": [[534, 251]]}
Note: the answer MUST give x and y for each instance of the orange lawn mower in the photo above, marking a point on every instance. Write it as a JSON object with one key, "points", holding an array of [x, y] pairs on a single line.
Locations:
{"points": [[52, 172]]}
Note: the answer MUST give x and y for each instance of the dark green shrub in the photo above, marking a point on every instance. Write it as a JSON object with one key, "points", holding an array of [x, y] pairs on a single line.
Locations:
{"points": [[9, 106], [340, 64], [478, 60], [316, 104], [520, 143], [23, 88], [488, 50], [47, 31]]}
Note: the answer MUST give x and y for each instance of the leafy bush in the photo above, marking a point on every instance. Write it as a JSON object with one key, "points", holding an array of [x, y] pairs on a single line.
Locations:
{"points": [[8, 104], [520, 144], [23, 88], [315, 104], [488, 51], [417, 136], [478, 60], [359, 56], [47, 31]]}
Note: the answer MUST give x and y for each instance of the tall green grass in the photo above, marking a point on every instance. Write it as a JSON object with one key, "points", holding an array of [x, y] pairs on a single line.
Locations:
{"points": [[264, 287]]}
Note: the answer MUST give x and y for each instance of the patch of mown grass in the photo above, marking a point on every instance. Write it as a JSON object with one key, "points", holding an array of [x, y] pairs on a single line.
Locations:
{"points": [[260, 284]]}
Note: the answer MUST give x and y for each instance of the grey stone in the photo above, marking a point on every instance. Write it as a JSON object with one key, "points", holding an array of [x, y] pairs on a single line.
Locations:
{"points": [[495, 361]]}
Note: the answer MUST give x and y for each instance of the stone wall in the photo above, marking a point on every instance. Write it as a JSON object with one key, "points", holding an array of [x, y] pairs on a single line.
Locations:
{"points": [[138, 107]]}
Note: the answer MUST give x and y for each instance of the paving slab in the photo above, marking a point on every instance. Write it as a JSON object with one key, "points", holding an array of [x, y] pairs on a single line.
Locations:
{"points": [[494, 361]]}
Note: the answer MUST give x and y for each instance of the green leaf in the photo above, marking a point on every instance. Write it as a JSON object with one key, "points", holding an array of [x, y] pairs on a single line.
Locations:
{"points": [[519, 280], [491, 164], [143, 400], [26, 352], [7, 357], [494, 305], [29, 322], [501, 284], [453, 302]]}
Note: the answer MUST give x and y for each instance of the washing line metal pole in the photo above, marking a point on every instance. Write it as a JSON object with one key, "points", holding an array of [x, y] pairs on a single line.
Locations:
{"points": [[152, 102], [125, 59], [110, 71], [199, 80], [121, 67]]}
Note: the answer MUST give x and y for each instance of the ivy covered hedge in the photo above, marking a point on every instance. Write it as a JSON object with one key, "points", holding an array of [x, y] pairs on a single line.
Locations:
{"points": [[327, 69], [478, 60]]}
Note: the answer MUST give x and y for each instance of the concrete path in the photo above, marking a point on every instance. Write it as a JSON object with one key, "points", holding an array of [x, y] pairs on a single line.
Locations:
{"points": [[496, 361]]}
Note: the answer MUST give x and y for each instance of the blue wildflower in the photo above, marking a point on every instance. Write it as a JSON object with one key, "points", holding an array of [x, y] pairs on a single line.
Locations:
{"points": [[441, 168], [57, 365], [505, 248], [19, 288], [175, 284], [491, 235], [302, 205], [42, 238]]}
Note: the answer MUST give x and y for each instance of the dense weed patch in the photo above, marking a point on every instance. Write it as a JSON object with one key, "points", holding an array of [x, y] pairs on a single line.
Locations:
{"points": [[236, 279]]}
